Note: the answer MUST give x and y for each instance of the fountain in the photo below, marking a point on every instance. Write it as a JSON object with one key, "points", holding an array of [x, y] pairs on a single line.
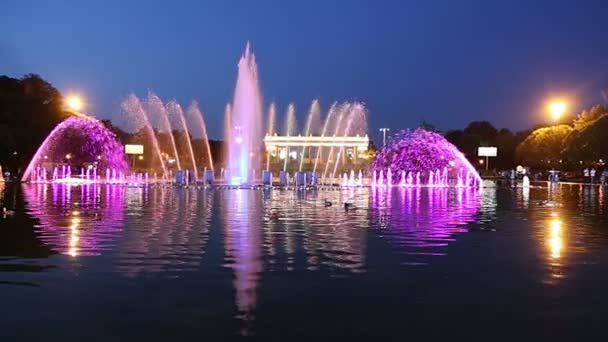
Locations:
{"points": [[245, 132], [272, 113], [175, 110], [136, 119], [328, 119], [311, 125], [77, 140], [194, 113], [290, 128], [424, 155]]}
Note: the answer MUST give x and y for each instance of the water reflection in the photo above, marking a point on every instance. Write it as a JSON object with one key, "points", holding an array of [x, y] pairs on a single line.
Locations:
{"points": [[76, 222], [242, 230], [555, 237], [166, 231], [422, 221]]}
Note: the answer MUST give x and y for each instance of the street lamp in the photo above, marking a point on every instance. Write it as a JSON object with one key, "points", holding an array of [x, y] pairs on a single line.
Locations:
{"points": [[74, 103], [384, 130], [557, 109]]}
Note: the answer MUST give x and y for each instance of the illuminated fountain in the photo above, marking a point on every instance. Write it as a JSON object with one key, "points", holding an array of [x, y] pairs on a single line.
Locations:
{"points": [[422, 158], [78, 145], [244, 132], [326, 148]]}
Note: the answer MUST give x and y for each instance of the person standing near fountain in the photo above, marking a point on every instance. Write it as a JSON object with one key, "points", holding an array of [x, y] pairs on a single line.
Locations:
{"points": [[592, 175], [585, 175]]}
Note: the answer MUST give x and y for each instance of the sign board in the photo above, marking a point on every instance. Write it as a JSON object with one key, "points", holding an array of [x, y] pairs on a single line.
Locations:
{"points": [[134, 149], [487, 151]]}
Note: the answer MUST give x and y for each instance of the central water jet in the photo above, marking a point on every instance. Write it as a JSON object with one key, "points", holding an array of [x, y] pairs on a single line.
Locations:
{"points": [[245, 132]]}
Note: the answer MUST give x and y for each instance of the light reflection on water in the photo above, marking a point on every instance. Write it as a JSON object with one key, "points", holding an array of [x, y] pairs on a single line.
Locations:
{"points": [[169, 233]]}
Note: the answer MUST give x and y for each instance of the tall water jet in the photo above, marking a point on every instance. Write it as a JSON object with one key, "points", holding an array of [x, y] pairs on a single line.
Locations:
{"points": [[196, 114], [246, 121], [175, 110], [132, 110], [290, 129], [311, 122], [227, 135], [328, 119], [272, 115], [272, 118], [157, 110]]}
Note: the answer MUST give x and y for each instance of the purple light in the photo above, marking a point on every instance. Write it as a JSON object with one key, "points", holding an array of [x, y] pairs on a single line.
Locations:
{"points": [[425, 156], [98, 140]]}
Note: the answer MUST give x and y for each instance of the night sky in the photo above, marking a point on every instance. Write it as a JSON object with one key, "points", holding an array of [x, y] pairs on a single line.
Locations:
{"points": [[448, 62]]}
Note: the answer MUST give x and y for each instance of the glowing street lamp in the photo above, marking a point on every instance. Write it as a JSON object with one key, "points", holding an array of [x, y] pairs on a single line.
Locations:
{"points": [[557, 109], [74, 103], [68, 156]]}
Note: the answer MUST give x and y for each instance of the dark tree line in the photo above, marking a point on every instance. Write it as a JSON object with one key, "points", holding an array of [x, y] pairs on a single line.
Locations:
{"points": [[30, 108], [482, 133]]}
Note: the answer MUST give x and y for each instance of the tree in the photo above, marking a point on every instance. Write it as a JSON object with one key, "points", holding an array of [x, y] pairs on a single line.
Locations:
{"points": [[506, 142], [30, 108], [483, 132], [588, 117], [588, 140], [428, 126], [543, 146]]}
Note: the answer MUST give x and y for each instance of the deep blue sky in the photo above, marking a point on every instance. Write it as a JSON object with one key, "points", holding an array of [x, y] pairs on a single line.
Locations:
{"points": [[448, 62]]}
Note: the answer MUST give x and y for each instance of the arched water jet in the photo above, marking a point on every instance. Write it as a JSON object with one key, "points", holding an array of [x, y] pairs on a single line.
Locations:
{"points": [[132, 110], [336, 128], [313, 116], [85, 137], [196, 114], [290, 129], [272, 114], [328, 119], [158, 111], [421, 152], [174, 109]]}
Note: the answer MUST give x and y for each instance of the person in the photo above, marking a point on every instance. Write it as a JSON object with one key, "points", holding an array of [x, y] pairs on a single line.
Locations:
{"points": [[592, 175], [585, 175], [604, 176]]}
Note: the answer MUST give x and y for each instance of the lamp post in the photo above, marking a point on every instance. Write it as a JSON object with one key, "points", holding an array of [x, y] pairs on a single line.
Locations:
{"points": [[74, 103], [557, 109], [384, 130]]}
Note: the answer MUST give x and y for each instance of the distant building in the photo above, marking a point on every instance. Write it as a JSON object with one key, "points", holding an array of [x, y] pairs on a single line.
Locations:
{"points": [[312, 150]]}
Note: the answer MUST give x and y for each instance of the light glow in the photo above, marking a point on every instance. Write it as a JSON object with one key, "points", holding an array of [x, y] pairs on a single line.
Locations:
{"points": [[557, 109], [74, 103]]}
